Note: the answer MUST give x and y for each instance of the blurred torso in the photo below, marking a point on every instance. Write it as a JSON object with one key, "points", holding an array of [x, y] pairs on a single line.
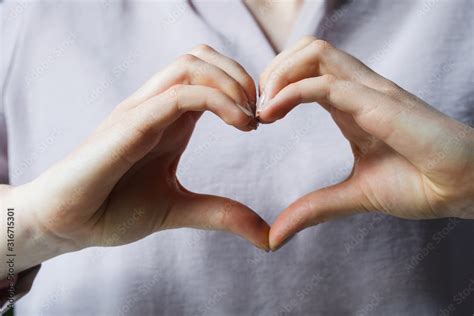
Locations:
{"points": [[74, 61]]}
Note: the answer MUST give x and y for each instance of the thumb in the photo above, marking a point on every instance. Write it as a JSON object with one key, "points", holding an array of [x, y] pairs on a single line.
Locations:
{"points": [[314, 208], [211, 212]]}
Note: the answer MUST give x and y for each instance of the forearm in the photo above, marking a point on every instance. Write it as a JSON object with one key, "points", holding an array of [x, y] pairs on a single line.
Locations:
{"points": [[24, 243]]}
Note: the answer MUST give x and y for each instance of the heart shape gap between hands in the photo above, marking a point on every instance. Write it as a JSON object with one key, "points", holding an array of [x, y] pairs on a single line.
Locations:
{"points": [[127, 167]]}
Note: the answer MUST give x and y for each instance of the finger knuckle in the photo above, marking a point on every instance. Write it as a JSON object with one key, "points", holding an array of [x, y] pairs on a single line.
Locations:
{"points": [[202, 49], [175, 90], [320, 47], [139, 136], [199, 70], [241, 70], [329, 79], [338, 90], [279, 76], [187, 59], [175, 93], [307, 39], [233, 87], [329, 82], [390, 88]]}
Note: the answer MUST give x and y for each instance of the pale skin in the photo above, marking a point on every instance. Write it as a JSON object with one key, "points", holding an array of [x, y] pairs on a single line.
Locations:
{"points": [[126, 168], [275, 18], [410, 161]]}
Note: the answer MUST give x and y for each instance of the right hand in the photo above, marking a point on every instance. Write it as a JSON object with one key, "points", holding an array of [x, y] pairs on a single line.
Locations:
{"points": [[125, 172]]}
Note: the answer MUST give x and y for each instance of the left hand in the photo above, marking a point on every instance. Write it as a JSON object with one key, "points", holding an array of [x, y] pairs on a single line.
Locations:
{"points": [[410, 160]]}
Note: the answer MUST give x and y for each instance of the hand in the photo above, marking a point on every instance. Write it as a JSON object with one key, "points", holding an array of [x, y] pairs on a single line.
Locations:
{"points": [[410, 160], [125, 172]]}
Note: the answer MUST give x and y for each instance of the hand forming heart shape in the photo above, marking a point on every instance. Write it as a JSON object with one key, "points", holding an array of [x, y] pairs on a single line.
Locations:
{"points": [[410, 160]]}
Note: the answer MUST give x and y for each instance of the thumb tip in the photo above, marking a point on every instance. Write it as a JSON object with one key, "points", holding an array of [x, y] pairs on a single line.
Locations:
{"points": [[276, 240], [264, 243]]}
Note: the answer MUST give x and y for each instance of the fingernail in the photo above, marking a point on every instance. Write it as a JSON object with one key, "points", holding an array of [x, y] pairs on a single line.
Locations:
{"points": [[253, 124], [251, 108], [256, 124], [245, 109], [264, 248], [261, 104]]}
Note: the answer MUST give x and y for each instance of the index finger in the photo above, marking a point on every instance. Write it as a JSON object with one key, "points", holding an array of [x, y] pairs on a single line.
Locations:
{"points": [[320, 58]]}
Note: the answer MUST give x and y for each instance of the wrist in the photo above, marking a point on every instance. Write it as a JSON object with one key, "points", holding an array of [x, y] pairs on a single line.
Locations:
{"points": [[26, 242]]}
